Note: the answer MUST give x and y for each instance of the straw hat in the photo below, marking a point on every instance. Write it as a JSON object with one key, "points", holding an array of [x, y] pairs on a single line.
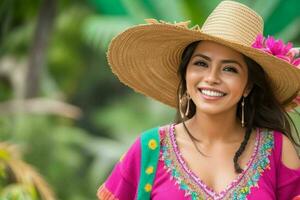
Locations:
{"points": [[146, 57]]}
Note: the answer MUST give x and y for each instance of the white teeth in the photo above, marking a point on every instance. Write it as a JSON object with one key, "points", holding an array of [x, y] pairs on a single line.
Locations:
{"points": [[212, 93]]}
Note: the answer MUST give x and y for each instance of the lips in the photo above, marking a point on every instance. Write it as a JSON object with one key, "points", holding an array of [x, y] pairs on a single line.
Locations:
{"points": [[211, 92]]}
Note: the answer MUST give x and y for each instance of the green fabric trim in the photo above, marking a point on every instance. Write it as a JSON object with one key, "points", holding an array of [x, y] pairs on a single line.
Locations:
{"points": [[150, 147]]}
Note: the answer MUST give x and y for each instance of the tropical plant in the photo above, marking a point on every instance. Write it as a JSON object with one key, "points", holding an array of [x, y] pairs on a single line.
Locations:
{"points": [[77, 118], [18, 180]]}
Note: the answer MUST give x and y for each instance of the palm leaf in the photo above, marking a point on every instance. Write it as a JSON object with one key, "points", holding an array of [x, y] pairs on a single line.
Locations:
{"points": [[24, 176], [98, 30]]}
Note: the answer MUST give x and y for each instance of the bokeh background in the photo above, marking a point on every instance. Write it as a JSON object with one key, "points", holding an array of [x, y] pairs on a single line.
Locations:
{"points": [[64, 117]]}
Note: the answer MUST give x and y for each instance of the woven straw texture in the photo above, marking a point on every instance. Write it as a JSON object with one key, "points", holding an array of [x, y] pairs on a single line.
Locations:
{"points": [[146, 57]]}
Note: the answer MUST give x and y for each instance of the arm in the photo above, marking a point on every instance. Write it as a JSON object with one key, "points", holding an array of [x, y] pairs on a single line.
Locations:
{"points": [[289, 155], [123, 180], [288, 182]]}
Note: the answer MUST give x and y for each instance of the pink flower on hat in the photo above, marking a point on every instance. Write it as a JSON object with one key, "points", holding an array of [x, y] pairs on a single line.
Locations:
{"points": [[278, 48], [295, 103], [297, 100], [283, 51]]}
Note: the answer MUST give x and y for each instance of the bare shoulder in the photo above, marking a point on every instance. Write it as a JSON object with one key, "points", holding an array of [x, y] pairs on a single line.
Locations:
{"points": [[289, 157]]}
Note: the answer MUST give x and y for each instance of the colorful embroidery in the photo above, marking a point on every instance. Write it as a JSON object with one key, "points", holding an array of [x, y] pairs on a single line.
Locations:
{"points": [[149, 170], [148, 187], [150, 149], [152, 144], [196, 189]]}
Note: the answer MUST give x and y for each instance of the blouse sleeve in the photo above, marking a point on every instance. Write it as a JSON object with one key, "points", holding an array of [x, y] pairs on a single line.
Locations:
{"points": [[123, 181], [288, 180]]}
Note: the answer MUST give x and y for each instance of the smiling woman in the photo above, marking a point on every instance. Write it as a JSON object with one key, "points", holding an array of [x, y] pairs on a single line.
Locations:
{"points": [[216, 78], [232, 138]]}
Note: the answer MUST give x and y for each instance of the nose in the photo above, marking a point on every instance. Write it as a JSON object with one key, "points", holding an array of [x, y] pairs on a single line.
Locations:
{"points": [[212, 76]]}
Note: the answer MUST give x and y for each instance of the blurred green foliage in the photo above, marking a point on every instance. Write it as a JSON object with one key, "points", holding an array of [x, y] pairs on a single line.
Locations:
{"points": [[75, 154]]}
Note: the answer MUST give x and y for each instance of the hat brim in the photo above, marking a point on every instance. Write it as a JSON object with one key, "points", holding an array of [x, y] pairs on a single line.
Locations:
{"points": [[146, 58]]}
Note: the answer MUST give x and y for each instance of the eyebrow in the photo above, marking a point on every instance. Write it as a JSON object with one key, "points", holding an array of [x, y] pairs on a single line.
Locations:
{"points": [[223, 61]]}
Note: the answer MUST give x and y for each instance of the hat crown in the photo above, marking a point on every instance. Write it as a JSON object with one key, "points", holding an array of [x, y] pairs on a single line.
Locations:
{"points": [[235, 22]]}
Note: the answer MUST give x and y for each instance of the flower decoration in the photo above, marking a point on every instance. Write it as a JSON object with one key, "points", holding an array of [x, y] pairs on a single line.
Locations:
{"points": [[148, 187], [152, 144], [149, 170], [282, 51], [278, 48], [296, 101]]}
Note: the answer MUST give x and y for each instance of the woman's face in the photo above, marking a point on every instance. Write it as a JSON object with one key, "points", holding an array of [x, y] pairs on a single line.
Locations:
{"points": [[216, 78]]}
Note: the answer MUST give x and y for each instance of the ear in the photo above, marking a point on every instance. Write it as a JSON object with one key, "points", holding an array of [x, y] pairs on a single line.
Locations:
{"points": [[247, 90]]}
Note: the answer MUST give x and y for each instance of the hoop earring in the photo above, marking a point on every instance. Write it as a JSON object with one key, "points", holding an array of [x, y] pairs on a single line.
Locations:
{"points": [[243, 112], [188, 105], [184, 100]]}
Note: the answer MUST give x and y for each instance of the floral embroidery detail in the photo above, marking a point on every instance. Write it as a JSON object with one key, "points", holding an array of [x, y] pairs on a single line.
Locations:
{"points": [[149, 170], [278, 48], [148, 187], [181, 179], [152, 144], [260, 164], [238, 189]]}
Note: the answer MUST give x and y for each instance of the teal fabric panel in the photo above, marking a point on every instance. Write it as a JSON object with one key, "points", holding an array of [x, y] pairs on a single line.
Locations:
{"points": [[150, 146]]}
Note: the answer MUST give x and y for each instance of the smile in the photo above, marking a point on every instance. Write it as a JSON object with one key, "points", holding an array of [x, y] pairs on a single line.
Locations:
{"points": [[212, 93]]}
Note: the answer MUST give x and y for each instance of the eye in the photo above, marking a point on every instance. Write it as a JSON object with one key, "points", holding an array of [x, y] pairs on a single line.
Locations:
{"points": [[200, 63], [230, 69]]}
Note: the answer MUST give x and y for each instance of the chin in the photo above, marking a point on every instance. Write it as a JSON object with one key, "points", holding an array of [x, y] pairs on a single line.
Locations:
{"points": [[210, 111], [214, 109]]}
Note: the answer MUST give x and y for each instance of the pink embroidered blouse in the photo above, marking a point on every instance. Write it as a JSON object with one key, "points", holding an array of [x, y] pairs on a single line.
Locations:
{"points": [[265, 176]]}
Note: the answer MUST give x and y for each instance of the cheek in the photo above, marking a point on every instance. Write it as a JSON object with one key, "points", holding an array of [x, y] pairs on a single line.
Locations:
{"points": [[192, 79], [192, 75], [237, 85]]}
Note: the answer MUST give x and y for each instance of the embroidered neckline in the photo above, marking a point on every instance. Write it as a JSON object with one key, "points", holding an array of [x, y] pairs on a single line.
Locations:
{"points": [[196, 188], [205, 187]]}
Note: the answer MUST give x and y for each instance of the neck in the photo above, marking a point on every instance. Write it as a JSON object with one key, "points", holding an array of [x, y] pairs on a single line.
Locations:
{"points": [[215, 128]]}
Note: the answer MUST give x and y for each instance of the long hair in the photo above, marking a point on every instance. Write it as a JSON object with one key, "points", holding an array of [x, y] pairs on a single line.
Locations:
{"points": [[262, 109]]}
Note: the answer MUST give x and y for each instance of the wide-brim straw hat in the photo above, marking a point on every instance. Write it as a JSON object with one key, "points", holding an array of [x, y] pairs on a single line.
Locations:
{"points": [[146, 57]]}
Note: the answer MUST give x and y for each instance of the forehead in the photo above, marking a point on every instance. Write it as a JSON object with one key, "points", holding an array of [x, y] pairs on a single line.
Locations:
{"points": [[218, 51]]}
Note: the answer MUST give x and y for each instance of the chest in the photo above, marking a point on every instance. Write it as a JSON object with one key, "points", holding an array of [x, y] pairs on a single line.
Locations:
{"points": [[216, 169], [214, 165], [214, 177]]}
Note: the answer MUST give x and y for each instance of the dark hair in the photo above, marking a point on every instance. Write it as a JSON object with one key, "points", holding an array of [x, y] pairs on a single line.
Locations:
{"points": [[262, 109]]}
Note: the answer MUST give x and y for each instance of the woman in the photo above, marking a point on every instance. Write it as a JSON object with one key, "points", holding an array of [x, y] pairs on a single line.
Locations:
{"points": [[233, 138]]}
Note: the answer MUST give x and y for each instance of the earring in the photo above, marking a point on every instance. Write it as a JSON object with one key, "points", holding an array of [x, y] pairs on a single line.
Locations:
{"points": [[184, 100], [188, 105], [243, 112]]}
